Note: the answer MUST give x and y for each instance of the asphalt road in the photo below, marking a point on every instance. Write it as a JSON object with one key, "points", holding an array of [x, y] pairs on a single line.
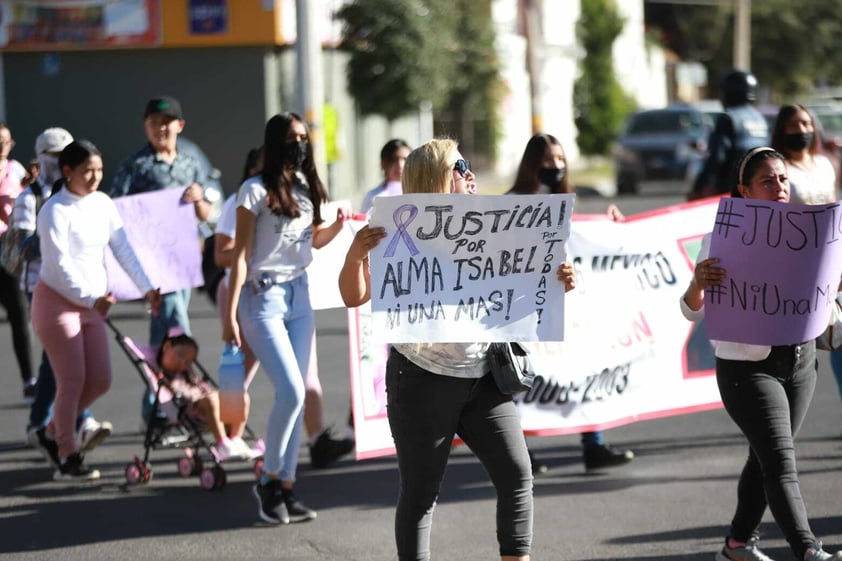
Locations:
{"points": [[673, 502]]}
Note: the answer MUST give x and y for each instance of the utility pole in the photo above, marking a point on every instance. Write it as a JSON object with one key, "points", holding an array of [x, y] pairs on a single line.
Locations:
{"points": [[742, 34], [308, 50], [534, 50]]}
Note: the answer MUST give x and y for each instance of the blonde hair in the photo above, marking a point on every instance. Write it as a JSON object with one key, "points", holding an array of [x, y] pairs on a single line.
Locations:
{"points": [[428, 168]]}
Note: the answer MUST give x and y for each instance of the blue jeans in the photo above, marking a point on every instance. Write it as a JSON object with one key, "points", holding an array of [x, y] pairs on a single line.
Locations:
{"points": [[171, 313], [594, 438], [278, 323], [425, 411], [768, 400]]}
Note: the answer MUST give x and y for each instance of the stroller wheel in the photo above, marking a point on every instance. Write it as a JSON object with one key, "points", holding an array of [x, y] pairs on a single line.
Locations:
{"points": [[258, 468], [189, 466], [138, 472], [207, 479], [133, 474]]}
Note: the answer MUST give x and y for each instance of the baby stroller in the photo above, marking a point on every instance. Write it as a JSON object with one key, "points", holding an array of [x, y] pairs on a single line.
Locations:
{"points": [[170, 425]]}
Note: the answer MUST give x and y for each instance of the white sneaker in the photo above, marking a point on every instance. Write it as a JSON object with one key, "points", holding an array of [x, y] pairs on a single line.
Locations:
{"points": [[243, 450], [225, 451], [92, 433]]}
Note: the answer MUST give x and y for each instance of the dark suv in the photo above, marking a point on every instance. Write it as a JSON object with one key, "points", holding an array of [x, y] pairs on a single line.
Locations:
{"points": [[660, 144]]}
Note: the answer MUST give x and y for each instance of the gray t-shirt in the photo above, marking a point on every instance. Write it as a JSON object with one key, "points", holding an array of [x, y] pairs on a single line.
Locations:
{"points": [[282, 246]]}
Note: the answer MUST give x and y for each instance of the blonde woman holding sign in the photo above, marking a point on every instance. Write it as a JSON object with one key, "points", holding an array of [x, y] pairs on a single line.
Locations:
{"points": [[436, 390], [766, 390]]}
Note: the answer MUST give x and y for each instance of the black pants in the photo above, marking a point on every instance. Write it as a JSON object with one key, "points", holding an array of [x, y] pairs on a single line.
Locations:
{"points": [[425, 411], [14, 300], [768, 400]]}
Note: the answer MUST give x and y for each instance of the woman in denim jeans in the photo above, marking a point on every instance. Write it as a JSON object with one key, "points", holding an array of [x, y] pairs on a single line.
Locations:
{"points": [[436, 390], [766, 390], [278, 222]]}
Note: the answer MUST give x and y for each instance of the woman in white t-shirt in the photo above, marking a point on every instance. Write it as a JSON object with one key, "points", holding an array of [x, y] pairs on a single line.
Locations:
{"points": [[278, 223]]}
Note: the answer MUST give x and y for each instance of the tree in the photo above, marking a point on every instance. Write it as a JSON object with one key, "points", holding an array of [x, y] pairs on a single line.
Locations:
{"points": [[395, 62], [475, 85], [793, 44], [599, 102], [405, 52]]}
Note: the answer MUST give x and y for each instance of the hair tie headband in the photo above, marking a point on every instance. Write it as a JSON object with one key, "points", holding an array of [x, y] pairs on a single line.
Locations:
{"points": [[749, 155]]}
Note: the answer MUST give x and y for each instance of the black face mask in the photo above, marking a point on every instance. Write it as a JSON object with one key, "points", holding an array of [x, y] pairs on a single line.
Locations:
{"points": [[798, 141], [551, 177], [296, 153]]}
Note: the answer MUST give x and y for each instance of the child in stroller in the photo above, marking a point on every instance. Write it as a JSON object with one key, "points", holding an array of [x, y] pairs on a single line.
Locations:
{"points": [[175, 358], [186, 405]]}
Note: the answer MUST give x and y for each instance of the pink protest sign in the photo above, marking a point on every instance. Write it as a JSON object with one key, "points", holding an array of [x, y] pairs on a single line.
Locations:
{"points": [[783, 264], [164, 235]]}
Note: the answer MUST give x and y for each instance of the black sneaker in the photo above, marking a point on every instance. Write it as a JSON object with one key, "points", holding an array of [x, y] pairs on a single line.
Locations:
{"points": [[272, 507], [296, 509], [328, 449], [47, 446], [74, 469], [603, 456]]}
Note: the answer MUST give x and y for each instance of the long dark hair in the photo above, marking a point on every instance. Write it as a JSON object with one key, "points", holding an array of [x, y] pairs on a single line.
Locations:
{"points": [[280, 186], [527, 181], [778, 133]]}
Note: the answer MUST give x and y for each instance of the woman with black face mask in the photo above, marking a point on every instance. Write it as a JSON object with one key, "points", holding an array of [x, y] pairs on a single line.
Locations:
{"points": [[812, 178], [543, 170], [279, 222]]}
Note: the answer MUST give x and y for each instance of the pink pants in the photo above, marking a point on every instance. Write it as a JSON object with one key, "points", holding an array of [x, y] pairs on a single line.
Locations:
{"points": [[77, 346]]}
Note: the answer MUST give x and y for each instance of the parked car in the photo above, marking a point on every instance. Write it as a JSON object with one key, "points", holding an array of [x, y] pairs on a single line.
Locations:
{"points": [[660, 144]]}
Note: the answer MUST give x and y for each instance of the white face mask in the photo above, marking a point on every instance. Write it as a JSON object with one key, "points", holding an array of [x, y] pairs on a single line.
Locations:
{"points": [[49, 170]]}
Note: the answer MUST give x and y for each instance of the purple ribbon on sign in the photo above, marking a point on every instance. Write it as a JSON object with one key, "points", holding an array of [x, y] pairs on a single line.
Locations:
{"points": [[402, 224]]}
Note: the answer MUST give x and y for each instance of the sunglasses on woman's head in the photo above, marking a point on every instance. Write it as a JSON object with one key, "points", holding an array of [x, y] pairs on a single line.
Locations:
{"points": [[462, 166]]}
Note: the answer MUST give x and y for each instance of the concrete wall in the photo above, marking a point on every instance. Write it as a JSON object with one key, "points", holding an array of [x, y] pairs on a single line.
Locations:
{"points": [[100, 95]]}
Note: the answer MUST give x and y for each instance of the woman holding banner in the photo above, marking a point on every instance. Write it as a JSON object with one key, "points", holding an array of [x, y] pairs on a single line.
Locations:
{"points": [[542, 170], [436, 390], [71, 297], [766, 390], [278, 223]]}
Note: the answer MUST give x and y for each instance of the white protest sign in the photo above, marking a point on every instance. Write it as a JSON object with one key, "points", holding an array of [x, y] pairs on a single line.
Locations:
{"points": [[164, 235], [323, 272], [468, 268]]}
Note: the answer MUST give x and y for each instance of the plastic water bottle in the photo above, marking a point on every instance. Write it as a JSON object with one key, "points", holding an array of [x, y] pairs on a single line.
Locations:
{"points": [[232, 378]]}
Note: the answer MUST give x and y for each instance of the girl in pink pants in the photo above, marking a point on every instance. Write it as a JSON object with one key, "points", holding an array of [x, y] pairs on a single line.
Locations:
{"points": [[71, 298]]}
